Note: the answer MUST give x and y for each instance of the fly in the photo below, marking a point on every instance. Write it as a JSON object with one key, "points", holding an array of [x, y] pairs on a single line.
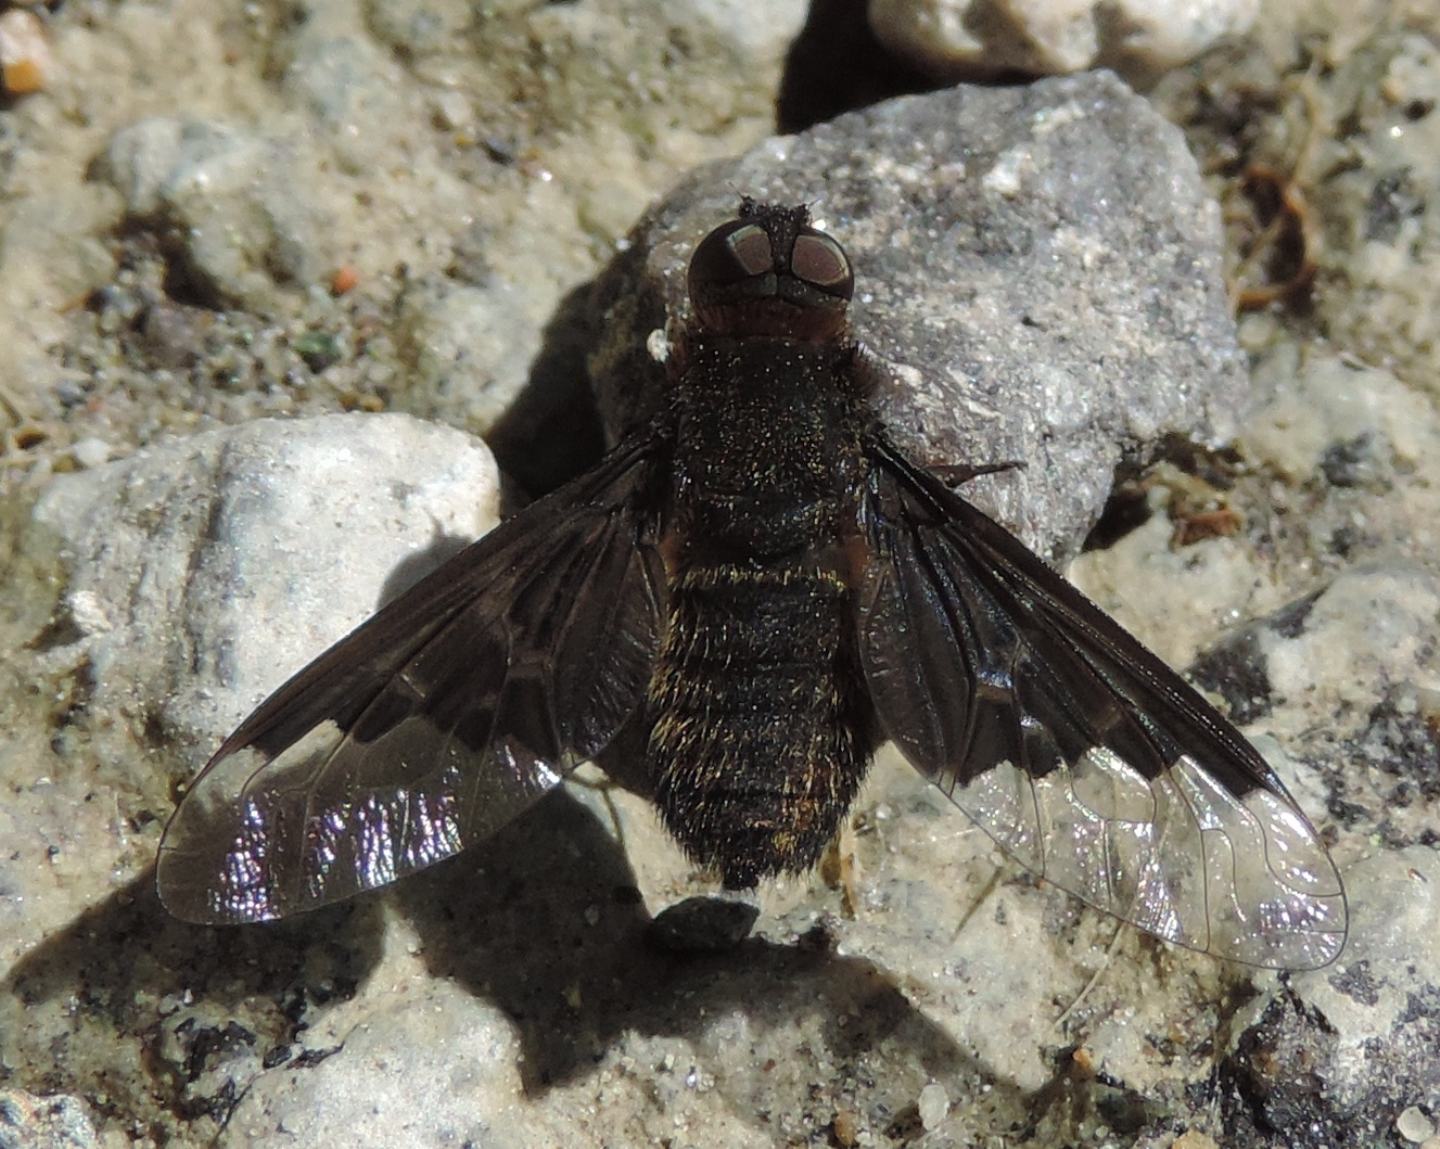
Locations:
{"points": [[764, 582]]}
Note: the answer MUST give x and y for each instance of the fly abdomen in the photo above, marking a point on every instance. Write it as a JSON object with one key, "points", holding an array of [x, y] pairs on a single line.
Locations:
{"points": [[756, 740]]}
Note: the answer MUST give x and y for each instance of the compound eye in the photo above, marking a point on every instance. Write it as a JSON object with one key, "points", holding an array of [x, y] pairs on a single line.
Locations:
{"points": [[822, 263], [730, 254]]}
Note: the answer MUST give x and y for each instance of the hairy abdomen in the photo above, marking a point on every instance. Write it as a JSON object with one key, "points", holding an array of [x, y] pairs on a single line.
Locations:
{"points": [[757, 741]]}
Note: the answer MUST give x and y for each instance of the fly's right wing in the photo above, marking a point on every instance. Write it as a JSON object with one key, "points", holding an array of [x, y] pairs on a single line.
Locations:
{"points": [[1080, 752], [439, 719]]}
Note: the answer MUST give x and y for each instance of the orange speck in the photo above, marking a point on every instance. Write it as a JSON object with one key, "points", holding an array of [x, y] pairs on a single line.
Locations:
{"points": [[346, 278]]}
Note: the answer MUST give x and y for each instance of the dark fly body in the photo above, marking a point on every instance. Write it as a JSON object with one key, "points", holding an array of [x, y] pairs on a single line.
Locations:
{"points": [[764, 583]]}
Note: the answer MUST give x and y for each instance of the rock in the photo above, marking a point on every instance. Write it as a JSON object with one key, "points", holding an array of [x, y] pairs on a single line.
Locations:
{"points": [[1365, 1029], [1323, 408], [91, 452], [199, 575], [933, 1105], [432, 1066], [1024, 315], [703, 925], [55, 1122], [466, 350], [25, 63], [971, 39], [236, 203], [141, 160], [1414, 1125], [1381, 617]]}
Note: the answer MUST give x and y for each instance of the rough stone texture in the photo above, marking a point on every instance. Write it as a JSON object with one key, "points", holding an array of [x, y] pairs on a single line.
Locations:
{"points": [[186, 583], [971, 39], [1357, 153], [182, 559], [1018, 315], [57, 1122], [174, 205], [1365, 1031], [240, 205]]}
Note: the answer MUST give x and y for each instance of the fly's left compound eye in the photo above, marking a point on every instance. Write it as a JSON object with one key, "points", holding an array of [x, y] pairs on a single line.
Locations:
{"points": [[822, 263]]}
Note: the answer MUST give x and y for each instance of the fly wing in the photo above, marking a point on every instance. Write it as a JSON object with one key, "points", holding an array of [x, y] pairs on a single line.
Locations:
{"points": [[1081, 753], [439, 719]]}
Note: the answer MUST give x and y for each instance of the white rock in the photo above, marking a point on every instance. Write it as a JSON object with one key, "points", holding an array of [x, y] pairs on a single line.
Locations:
{"points": [[433, 1065], [91, 451], [955, 39], [222, 563], [934, 1104], [1413, 1125]]}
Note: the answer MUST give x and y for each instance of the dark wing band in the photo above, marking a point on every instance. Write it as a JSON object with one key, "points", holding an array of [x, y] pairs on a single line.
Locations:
{"points": [[1081, 753], [439, 719]]}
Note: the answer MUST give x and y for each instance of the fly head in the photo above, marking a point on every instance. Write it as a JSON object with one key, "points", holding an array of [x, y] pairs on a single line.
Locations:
{"points": [[769, 273]]}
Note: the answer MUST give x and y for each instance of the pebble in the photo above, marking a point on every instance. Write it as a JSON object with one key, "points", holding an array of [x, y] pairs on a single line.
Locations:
{"points": [[91, 452], [1414, 1125], [24, 54], [703, 924], [934, 1104]]}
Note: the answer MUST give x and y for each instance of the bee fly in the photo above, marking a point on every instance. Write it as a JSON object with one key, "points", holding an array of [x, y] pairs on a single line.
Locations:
{"points": [[763, 582]]}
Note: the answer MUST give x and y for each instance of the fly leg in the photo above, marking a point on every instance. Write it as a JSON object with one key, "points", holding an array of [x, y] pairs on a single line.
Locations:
{"points": [[958, 474], [875, 369]]}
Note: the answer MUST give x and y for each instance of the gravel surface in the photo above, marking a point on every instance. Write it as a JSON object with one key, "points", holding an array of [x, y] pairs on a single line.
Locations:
{"points": [[1203, 314]]}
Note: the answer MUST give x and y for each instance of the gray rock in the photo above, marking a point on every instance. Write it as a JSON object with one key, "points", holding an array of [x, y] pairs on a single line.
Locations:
{"points": [[236, 203], [703, 924], [466, 350], [1044, 263], [199, 575]]}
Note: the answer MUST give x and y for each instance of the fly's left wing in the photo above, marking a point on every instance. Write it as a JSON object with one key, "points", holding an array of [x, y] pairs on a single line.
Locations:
{"points": [[439, 719], [1081, 753]]}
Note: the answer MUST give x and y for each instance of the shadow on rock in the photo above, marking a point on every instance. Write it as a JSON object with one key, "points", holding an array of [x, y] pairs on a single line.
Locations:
{"points": [[551, 431], [166, 1019], [837, 65], [129, 949], [546, 921]]}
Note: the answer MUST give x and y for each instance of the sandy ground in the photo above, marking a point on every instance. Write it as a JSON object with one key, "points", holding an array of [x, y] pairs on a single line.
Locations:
{"points": [[211, 214]]}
